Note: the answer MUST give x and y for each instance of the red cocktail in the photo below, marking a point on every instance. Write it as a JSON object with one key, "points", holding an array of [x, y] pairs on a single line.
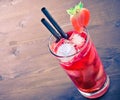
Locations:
{"points": [[79, 58], [77, 54]]}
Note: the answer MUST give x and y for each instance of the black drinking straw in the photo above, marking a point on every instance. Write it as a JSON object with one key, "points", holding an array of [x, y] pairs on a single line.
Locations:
{"points": [[54, 23], [51, 29]]}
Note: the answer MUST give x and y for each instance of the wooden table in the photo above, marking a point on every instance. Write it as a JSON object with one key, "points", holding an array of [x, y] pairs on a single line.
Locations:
{"points": [[29, 72]]}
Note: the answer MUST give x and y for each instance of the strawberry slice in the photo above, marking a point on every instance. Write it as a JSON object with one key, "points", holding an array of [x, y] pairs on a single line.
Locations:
{"points": [[79, 17]]}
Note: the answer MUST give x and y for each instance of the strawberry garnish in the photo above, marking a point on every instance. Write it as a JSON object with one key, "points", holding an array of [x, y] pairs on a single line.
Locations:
{"points": [[79, 17]]}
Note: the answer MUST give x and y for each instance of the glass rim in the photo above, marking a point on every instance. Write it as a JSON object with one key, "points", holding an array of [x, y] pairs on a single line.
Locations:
{"points": [[81, 49]]}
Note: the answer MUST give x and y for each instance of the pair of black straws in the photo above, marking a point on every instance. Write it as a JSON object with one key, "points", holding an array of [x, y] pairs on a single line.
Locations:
{"points": [[58, 35]]}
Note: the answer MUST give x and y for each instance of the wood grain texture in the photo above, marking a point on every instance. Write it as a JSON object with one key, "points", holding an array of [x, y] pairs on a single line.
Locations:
{"points": [[27, 69]]}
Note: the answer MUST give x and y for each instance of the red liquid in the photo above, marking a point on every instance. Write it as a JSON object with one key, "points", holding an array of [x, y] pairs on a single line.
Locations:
{"points": [[86, 70]]}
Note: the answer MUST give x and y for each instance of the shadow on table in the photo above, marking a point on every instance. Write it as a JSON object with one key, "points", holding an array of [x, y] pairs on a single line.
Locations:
{"points": [[73, 94]]}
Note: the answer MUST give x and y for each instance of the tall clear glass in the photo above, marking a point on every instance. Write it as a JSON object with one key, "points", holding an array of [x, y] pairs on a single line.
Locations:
{"points": [[84, 68]]}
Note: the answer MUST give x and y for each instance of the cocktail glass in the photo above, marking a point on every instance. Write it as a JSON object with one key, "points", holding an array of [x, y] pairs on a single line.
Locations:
{"points": [[84, 67]]}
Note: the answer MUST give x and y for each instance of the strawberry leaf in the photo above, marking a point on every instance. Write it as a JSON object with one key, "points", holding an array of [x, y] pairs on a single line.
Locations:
{"points": [[76, 9], [71, 11]]}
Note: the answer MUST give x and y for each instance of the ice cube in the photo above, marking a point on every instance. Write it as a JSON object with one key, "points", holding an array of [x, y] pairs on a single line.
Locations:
{"points": [[74, 73], [66, 49], [77, 39]]}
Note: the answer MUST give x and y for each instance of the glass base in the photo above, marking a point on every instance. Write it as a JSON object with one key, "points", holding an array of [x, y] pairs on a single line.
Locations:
{"points": [[98, 93]]}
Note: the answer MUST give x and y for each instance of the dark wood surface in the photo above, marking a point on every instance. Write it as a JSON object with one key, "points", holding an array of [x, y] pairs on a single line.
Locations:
{"points": [[29, 72]]}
